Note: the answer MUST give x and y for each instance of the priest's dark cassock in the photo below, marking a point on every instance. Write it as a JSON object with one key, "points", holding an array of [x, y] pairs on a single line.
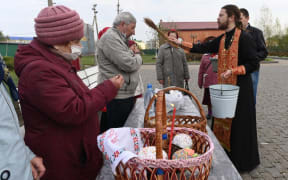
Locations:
{"points": [[243, 142]]}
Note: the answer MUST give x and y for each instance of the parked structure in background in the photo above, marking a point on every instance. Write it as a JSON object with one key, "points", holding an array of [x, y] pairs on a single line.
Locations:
{"points": [[88, 41], [192, 31], [9, 47], [141, 44], [19, 39], [152, 44]]}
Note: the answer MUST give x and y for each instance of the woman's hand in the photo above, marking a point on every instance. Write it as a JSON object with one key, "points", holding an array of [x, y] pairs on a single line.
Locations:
{"points": [[175, 40], [135, 49], [117, 81], [38, 168]]}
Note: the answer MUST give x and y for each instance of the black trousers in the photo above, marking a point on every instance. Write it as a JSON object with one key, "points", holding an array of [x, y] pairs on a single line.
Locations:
{"points": [[118, 111]]}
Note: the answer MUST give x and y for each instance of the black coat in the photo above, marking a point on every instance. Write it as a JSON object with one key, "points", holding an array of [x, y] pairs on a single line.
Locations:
{"points": [[244, 147], [258, 38]]}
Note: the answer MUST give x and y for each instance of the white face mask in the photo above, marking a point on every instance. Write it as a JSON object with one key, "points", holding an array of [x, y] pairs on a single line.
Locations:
{"points": [[75, 53]]}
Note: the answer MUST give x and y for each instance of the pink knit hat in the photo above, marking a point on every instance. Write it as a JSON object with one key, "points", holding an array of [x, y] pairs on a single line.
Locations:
{"points": [[58, 25]]}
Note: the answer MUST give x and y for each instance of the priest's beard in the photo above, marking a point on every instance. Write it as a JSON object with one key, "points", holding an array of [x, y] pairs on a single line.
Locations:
{"points": [[223, 26]]}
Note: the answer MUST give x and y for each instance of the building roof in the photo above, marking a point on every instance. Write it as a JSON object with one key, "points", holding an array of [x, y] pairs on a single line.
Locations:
{"points": [[20, 38], [189, 25]]}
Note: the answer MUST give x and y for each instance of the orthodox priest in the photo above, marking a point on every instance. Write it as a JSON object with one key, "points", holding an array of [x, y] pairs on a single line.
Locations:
{"points": [[236, 60]]}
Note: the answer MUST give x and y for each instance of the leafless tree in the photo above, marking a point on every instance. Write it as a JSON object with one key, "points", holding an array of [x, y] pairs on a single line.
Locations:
{"points": [[265, 23]]}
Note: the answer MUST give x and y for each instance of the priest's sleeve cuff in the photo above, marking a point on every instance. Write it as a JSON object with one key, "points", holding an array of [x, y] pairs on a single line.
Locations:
{"points": [[239, 70]]}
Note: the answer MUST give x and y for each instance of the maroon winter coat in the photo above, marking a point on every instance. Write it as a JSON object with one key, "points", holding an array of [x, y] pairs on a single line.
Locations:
{"points": [[206, 76], [60, 113]]}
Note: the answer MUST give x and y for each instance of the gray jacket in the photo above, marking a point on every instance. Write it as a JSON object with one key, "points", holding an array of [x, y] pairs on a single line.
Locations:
{"points": [[114, 57], [15, 156], [171, 66]]}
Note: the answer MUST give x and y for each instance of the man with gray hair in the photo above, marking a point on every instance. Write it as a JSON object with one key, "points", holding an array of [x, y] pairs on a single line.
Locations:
{"points": [[115, 57]]}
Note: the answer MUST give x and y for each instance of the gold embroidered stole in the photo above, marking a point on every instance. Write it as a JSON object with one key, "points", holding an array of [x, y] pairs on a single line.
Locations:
{"points": [[228, 59]]}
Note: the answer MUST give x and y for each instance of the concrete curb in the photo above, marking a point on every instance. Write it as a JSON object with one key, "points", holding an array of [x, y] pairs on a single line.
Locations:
{"points": [[269, 62], [276, 57]]}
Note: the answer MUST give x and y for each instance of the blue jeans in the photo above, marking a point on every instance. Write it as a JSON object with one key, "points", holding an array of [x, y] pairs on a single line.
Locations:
{"points": [[255, 79]]}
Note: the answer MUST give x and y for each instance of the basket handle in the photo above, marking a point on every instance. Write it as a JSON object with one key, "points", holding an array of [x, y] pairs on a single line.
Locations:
{"points": [[160, 123], [161, 126], [202, 113]]}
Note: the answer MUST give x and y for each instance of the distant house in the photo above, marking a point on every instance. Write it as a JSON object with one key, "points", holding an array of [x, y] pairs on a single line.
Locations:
{"points": [[192, 31], [141, 44]]}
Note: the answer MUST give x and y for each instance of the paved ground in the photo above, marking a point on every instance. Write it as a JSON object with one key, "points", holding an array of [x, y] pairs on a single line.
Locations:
{"points": [[272, 117]]}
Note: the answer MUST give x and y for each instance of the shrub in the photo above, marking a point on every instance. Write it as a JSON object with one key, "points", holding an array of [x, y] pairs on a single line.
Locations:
{"points": [[9, 62]]}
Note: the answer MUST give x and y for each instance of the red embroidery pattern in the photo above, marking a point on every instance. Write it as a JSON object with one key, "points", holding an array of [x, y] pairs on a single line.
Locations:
{"points": [[135, 140], [111, 133], [116, 154], [114, 138], [102, 137]]}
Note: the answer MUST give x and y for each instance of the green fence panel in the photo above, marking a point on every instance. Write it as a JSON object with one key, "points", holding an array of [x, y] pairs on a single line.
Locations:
{"points": [[8, 49], [149, 51]]}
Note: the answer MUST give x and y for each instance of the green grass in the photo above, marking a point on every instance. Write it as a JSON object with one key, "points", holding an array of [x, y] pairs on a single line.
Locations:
{"points": [[148, 59], [87, 61], [14, 77], [269, 59]]}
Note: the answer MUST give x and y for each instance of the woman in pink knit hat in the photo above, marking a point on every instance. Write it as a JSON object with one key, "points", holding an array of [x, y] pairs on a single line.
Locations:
{"points": [[59, 111]]}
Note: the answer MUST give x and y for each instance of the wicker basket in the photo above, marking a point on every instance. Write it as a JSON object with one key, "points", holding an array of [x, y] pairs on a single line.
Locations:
{"points": [[196, 168], [194, 122]]}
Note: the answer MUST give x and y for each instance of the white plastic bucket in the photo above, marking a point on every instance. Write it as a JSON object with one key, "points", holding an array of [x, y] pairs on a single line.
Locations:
{"points": [[224, 100]]}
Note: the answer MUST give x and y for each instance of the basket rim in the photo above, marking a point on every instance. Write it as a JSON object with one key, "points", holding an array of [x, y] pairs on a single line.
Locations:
{"points": [[176, 115], [166, 90], [166, 163]]}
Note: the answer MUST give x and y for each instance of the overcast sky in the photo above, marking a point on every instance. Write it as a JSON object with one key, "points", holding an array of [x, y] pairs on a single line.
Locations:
{"points": [[17, 16]]}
